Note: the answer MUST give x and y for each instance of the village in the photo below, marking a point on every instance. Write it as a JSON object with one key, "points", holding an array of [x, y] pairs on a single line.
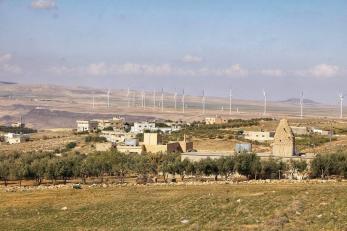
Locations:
{"points": [[284, 148]]}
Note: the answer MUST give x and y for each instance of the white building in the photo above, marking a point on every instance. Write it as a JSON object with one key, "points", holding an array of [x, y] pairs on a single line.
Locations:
{"points": [[13, 138], [117, 137], [259, 136], [140, 127], [320, 132], [86, 125], [298, 131]]}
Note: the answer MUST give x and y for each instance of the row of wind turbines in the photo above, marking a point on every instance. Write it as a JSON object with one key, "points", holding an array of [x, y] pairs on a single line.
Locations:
{"points": [[160, 102]]}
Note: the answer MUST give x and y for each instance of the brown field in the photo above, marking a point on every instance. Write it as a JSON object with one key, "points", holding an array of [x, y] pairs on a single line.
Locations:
{"points": [[278, 206]]}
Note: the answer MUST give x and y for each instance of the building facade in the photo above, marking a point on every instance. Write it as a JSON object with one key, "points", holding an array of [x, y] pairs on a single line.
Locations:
{"points": [[259, 136], [86, 126]]}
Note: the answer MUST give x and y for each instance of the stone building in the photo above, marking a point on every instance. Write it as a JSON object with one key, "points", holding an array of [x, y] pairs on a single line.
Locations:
{"points": [[284, 140], [215, 120]]}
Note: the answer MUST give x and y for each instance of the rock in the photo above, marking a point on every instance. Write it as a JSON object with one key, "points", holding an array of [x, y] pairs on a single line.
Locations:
{"points": [[319, 216], [297, 213], [238, 201], [64, 208], [184, 221]]}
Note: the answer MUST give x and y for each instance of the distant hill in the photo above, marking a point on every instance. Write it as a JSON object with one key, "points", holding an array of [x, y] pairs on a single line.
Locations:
{"points": [[5, 82], [297, 101]]}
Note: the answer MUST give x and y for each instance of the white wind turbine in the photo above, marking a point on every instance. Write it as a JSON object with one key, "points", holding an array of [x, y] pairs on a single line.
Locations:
{"points": [[230, 99], [134, 99], [341, 105], [128, 97], [183, 105], [108, 98], [203, 101], [142, 98], [302, 105], [162, 100], [93, 100], [264, 93], [154, 99], [175, 100]]}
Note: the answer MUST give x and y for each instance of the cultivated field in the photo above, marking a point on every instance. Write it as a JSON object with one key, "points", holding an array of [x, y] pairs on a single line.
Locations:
{"points": [[277, 206]]}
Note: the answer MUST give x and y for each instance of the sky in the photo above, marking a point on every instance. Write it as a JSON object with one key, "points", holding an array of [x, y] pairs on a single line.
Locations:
{"points": [[284, 47]]}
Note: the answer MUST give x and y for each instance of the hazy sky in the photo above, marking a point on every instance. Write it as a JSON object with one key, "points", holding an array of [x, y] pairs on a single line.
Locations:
{"points": [[282, 46]]}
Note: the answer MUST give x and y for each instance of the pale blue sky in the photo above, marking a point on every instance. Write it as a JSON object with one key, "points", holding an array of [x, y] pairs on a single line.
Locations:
{"points": [[282, 46]]}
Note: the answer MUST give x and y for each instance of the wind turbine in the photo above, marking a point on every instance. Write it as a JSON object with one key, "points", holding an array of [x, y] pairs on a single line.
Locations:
{"points": [[341, 105], [134, 99], [230, 99], [162, 100], [142, 98], [128, 97], [175, 100], [264, 93], [108, 98], [183, 105], [203, 101], [154, 99], [302, 105], [93, 100]]}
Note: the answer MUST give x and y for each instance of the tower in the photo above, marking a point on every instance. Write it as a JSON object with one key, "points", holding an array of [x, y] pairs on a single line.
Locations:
{"points": [[284, 140]]}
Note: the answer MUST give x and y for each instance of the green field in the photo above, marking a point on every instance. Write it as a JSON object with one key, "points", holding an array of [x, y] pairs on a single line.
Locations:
{"points": [[280, 206]]}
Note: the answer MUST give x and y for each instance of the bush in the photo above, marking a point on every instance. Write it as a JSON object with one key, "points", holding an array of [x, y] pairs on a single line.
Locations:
{"points": [[97, 139], [71, 145]]}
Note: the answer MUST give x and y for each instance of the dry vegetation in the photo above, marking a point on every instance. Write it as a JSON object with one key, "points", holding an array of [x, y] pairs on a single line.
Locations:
{"points": [[285, 206]]}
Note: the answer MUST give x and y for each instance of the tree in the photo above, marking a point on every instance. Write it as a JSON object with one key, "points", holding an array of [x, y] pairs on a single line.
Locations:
{"points": [[5, 170], [141, 164], [191, 168], [38, 169], [269, 168], [52, 169], [121, 165], [225, 166], [19, 170], [318, 166], [248, 164], [64, 168], [181, 167], [208, 167], [168, 165]]}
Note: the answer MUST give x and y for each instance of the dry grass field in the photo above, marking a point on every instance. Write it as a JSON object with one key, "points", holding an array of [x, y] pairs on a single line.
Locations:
{"points": [[281, 206]]}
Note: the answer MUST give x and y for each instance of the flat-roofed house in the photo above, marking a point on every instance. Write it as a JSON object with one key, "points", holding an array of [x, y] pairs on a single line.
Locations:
{"points": [[140, 127], [215, 120], [13, 138], [259, 136], [86, 125]]}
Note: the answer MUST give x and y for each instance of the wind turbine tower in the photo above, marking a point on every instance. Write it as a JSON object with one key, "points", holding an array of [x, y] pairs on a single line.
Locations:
{"points": [[203, 101], [341, 105], [144, 100], [142, 97], [93, 101], [302, 105], [108, 98], [162, 100], [154, 99], [175, 100], [230, 99], [183, 105], [128, 97], [264, 93]]}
